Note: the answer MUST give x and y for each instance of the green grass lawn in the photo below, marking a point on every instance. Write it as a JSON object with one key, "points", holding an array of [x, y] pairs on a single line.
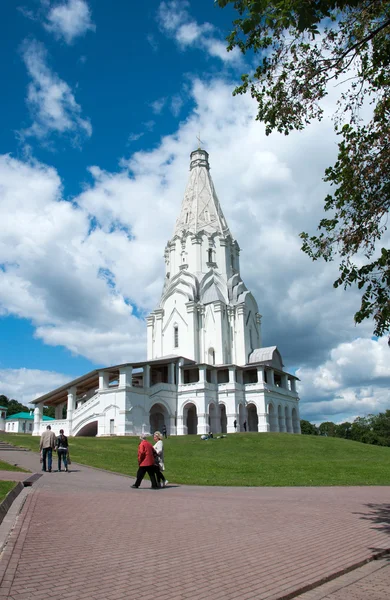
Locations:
{"points": [[241, 459], [5, 487], [4, 466]]}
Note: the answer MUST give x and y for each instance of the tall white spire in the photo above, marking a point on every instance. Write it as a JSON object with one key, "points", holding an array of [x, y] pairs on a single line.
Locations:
{"points": [[200, 209]]}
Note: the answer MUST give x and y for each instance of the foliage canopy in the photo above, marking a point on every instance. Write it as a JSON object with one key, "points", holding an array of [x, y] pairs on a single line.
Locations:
{"points": [[304, 47]]}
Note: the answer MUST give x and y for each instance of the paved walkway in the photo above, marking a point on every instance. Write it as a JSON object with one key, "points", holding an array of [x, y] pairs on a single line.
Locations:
{"points": [[87, 535]]}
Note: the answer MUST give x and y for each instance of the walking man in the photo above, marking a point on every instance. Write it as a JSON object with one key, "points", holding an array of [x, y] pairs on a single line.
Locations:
{"points": [[164, 430], [235, 424], [145, 462], [244, 425], [46, 446]]}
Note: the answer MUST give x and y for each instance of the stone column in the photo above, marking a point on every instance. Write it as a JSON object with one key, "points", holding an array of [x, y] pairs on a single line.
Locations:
{"points": [[284, 381], [172, 427], [104, 380], [203, 425], [263, 425], [180, 425], [158, 339], [191, 347], [282, 422], [219, 355], [149, 329], [232, 373], [270, 377], [38, 413], [260, 374], [180, 373], [240, 376], [202, 374], [171, 373], [70, 407], [126, 376], [240, 335], [146, 376], [293, 383], [289, 426]]}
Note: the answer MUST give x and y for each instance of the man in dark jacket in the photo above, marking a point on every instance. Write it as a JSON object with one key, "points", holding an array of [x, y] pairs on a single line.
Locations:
{"points": [[146, 463]]}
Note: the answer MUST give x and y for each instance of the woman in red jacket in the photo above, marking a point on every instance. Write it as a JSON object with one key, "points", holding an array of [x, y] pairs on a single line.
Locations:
{"points": [[145, 462]]}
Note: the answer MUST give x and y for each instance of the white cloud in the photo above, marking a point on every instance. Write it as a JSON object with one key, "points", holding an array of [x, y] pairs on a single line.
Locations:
{"points": [[176, 22], [25, 385], [353, 380], [50, 100], [158, 105], [77, 269], [69, 20]]}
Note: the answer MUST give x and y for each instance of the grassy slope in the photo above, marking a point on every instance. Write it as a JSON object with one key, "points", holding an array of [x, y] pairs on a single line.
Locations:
{"points": [[5, 487], [4, 466], [241, 459]]}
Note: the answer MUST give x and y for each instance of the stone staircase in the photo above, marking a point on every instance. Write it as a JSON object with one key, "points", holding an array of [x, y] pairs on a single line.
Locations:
{"points": [[6, 446]]}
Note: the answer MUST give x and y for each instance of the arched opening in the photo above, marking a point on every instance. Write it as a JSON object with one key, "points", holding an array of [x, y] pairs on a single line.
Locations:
{"points": [[190, 419], [89, 430], [295, 421], [211, 356], [253, 419], [158, 417], [223, 419], [213, 417], [210, 255], [272, 417]]}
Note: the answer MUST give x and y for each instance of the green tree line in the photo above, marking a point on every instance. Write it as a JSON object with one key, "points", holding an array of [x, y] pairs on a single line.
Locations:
{"points": [[13, 407], [372, 429]]}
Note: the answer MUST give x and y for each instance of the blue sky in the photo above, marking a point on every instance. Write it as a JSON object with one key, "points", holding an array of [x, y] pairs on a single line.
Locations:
{"points": [[101, 106]]}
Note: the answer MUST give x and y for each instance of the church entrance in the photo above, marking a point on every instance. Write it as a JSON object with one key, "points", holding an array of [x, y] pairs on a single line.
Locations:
{"points": [[253, 419], [223, 419], [158, 417], [191, 419]]}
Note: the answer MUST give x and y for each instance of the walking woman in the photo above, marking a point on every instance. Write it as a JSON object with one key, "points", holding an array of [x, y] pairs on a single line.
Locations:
{"points": [[62, 450], [159, 456]]}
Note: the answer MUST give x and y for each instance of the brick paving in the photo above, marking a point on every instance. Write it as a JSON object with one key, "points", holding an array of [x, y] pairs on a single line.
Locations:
{"points": [[87, 535]]}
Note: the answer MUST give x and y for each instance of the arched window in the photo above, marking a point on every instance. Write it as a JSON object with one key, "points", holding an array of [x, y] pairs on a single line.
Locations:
{"points": [[176, 336], [210, 253]]}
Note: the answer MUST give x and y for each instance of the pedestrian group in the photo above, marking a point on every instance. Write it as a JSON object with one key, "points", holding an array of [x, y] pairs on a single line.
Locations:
{"points": [[50, 442], [151, 461]]}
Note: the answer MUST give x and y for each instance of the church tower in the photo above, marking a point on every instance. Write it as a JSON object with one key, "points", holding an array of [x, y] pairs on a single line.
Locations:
{"points": [[206, 312]]}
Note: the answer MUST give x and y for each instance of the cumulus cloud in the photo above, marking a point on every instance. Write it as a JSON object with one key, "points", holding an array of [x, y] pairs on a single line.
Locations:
{"points": [[354, 380], [87, 272], [27, 384], [176, 22], [69, 20], [50, 99]]}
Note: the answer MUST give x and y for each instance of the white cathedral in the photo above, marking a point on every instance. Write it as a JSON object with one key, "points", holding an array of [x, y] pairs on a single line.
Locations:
{"points": [[206, 369]]}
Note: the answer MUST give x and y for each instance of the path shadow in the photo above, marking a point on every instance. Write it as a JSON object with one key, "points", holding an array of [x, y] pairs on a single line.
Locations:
{"points": [[379, 515]]}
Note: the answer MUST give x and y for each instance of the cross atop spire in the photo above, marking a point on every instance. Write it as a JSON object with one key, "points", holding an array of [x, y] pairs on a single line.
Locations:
{"points": [[199, 141]]}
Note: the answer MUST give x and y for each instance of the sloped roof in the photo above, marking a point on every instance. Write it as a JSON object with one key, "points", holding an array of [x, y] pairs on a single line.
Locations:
{"points": [[200, 209], [270, 355], [26, 416]]}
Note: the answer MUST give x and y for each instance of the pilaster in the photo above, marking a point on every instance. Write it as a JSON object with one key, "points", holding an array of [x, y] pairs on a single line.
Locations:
{"points": [[150, 332], [70, 407], [126, 376], [104, 380]]}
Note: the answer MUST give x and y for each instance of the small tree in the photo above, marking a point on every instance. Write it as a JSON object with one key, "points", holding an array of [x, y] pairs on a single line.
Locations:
{"points": [[308, 428]]}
